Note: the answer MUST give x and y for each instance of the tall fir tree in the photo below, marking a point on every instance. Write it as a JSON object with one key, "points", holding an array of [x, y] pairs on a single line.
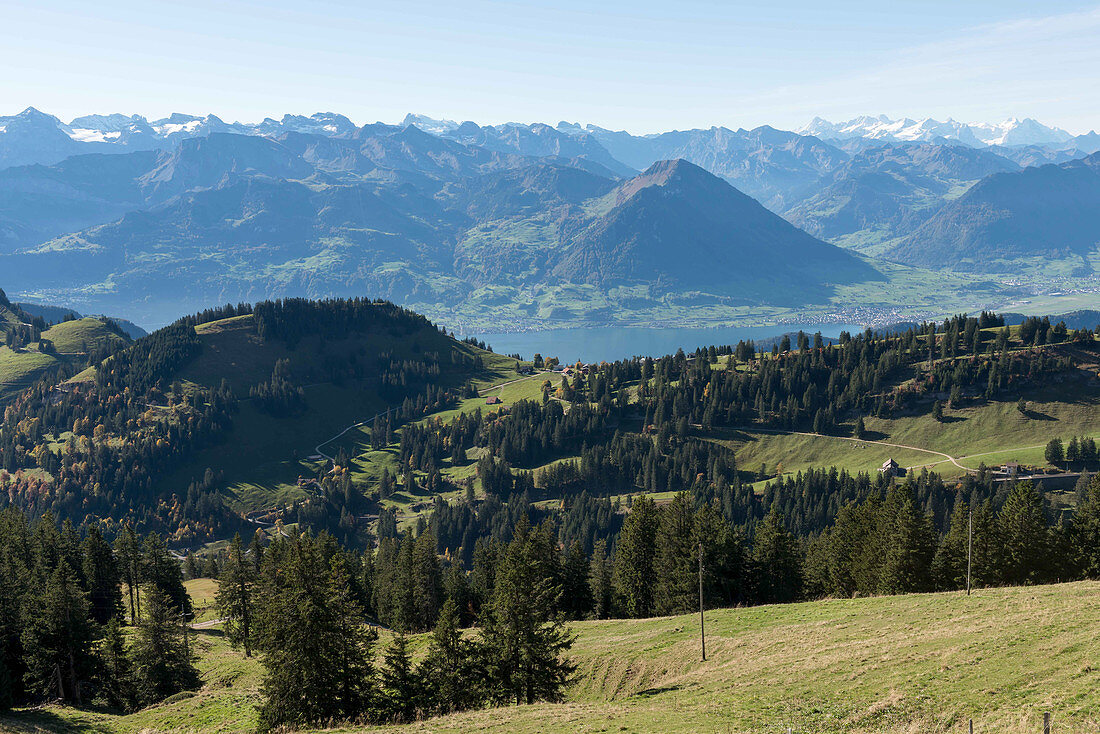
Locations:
{"points": [[525, 638], [128, 554], [400, 682], [1023, 537], [235, 596], [57, 637], [907, 562], [313, 633], [576, 593], [162, 572], [426, 581], [599, 581], [677, 558], [161, 655], [101, 577], [451, 670], [949, 564], [634, 575], [116, 679], [1086, 531], [777, 560]]}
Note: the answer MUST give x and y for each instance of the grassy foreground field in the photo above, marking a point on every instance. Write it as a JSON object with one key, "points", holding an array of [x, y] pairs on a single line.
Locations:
{"points": [[919, 663]]}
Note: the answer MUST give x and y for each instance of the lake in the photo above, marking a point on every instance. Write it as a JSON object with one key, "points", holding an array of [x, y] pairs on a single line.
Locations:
{"points": [[622, 342]]}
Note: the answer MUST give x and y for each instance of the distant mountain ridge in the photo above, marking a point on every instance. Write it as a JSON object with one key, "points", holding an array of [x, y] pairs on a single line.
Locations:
{"points": [[116, 212], [398, 213], [1011, 132], [1050, 212]]}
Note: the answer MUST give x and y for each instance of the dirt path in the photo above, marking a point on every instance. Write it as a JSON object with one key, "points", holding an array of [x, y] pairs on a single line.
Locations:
{"points": [[946, 457], [781, 432], [207, 624]]}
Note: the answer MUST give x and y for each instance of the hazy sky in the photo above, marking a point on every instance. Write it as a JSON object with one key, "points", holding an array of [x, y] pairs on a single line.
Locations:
{"points": [[641, 66]]}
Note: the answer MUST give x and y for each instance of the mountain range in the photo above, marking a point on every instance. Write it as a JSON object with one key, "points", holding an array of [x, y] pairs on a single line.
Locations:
{"points": [[566, 223], [397, 213]]}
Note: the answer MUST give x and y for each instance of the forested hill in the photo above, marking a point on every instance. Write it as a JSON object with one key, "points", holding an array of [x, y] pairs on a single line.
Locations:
{"points": [[124, 439]]}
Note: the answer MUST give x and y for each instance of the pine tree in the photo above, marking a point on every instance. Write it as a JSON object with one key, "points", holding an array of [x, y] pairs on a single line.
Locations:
{"points": [[634, 573], [523, 636], [1054, 453], [101, 577], [400, 682], [985, 569], [599, 580], [57, 637], [317, 646], [234, 599], [191, 567], [116, 677], [14, 582], [426, 581], [949, 563], [576, 593], [677, 557], [456, 588], [816, 581], [450, 670], [210, 568], [161, 571], [161, 656], [7, 689], [778, 561], [128, 553], [1023, 537], [1086, 531], [908, 559]]}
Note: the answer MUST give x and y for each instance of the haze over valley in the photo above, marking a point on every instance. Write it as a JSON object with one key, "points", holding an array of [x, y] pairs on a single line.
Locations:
{"points": [[515, 227]]}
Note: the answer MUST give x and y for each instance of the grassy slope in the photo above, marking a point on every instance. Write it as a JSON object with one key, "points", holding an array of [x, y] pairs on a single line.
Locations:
{"points": [[20, 369], [918, 663], [1062, 409], [77, 335]]}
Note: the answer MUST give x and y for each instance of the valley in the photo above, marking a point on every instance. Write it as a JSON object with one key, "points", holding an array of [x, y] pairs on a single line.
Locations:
{"points": [[534, 227]]}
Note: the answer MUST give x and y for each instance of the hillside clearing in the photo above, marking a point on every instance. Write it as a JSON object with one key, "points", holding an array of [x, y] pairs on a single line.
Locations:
{"points": [[988, 432]]}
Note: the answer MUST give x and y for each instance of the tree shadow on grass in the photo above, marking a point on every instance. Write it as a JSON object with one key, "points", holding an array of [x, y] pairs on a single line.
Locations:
{"points": [[1036, 415], [40, 721], [657, 691], [874, 436]]}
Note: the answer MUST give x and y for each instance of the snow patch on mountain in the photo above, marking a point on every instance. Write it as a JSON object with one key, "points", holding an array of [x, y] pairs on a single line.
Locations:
{"points": [[1010, 132]]}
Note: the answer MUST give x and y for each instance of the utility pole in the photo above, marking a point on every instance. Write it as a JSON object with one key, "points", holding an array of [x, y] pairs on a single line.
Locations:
{"points": [[969, 547], [702, 633]]}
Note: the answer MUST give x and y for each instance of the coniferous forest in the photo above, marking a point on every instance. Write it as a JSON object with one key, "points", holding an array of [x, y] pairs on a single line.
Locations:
{"points": [[554, 522]]}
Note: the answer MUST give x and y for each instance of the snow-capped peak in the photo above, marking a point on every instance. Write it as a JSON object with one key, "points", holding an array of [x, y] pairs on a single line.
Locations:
{"points": [[1009, 132], [430, 125]]}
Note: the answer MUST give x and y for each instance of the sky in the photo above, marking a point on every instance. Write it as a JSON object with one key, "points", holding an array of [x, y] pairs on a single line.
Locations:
{"points": [[641, 66]]}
